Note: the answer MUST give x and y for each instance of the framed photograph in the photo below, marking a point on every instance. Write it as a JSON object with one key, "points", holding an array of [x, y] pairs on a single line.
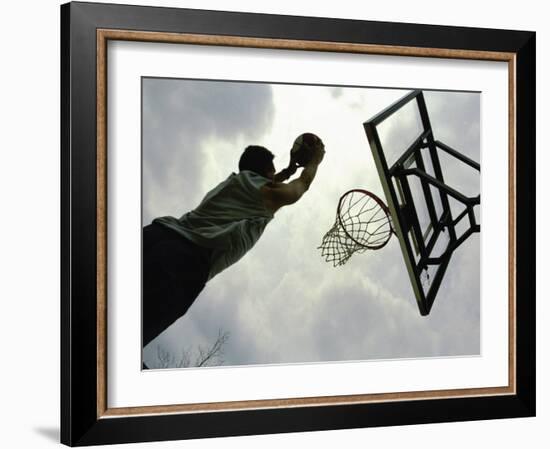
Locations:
{"points": [[283, 224]]}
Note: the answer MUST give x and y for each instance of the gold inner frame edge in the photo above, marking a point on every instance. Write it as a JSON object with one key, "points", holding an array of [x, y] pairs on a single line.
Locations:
{"points": [[103, 36]]}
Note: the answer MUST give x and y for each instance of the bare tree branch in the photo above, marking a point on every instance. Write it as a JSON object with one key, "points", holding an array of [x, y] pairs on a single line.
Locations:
{"points": [[211, 356], [215, 353]]}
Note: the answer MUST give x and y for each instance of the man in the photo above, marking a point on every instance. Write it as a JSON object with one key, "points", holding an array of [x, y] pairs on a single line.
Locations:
{"points": [[181, 254]]}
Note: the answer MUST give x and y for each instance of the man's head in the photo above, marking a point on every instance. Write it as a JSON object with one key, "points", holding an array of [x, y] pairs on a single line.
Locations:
{"points": [[257, 159]]}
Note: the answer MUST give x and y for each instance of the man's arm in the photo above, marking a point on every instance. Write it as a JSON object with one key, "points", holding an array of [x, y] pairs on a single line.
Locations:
{"points": [[286, 173], [278, 195]]}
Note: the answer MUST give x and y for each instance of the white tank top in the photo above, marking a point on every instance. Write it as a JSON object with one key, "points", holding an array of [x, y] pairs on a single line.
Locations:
{"points": [[230, 219]]}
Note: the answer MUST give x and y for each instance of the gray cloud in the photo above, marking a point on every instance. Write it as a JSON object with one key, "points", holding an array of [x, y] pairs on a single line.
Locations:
{"points": [[179, 116], [455, 117]]}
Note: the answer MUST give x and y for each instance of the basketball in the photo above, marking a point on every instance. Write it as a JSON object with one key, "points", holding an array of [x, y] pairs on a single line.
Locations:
{"points": [[302, 150]]}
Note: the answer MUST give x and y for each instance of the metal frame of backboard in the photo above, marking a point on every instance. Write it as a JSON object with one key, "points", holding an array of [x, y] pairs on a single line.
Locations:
{"points": [[417, 245]]}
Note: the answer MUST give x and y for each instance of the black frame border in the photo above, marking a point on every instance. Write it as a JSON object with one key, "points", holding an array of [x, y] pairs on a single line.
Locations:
{"points": [[80, 424]]}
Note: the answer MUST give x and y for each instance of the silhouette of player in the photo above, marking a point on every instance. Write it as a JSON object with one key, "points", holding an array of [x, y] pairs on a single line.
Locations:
{"points": [[181, 254]]}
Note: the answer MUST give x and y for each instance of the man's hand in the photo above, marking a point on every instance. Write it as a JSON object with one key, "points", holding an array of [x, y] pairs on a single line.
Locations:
{"points": [[293, 161], [286, 173], [292, 167], [276, 196]]}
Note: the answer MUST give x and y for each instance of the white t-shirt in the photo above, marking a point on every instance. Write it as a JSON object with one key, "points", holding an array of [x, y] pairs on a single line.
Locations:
{"points": [[230, 219]]}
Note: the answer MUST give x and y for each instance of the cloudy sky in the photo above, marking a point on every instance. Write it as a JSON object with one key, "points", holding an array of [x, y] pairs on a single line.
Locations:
{"points": [[282, 303]]}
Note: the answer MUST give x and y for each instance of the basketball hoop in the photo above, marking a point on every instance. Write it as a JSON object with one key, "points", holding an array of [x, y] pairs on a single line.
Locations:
{"points": [[362, 222]]}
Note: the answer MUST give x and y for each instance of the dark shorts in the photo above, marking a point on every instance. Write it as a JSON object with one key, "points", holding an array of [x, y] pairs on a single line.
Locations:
{"points": [[175, 271]]}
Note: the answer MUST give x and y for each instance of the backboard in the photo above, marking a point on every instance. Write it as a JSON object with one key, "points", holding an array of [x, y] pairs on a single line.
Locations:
{"points": [[409, 165]]}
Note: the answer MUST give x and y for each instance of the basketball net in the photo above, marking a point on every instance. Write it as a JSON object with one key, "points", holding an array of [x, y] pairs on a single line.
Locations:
{"points": [[362, 222]]}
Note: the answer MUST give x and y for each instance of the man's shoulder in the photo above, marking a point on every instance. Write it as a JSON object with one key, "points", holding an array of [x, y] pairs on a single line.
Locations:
{"points": [[250, 179], [249, 174]]}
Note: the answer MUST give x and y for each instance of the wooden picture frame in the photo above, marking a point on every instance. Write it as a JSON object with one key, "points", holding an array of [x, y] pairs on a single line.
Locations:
{"points": [[85, 417]]}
